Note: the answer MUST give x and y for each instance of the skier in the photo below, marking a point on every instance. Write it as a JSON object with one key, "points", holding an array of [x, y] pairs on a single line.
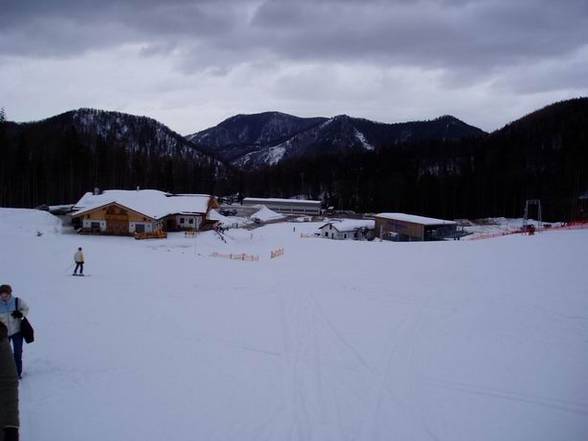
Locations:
{"points": [[79, 260], [11, 318], [9, 421]]}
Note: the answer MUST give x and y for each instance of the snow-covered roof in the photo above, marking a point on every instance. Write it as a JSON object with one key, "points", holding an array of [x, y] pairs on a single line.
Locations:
{"points": [[61, 207], [154, 203], [280, 201], [215, 216], [188, 203], [265, 214], [345, 225], [415, 219]]}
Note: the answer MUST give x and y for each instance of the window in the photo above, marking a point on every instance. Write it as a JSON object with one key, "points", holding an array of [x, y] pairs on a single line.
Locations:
{"points": [[140, 228], [191, 221], [345, 236], [181, 220]]}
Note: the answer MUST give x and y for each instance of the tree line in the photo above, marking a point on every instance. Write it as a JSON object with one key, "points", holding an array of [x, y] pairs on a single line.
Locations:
{"points": [[50, 163], [543, 156]]}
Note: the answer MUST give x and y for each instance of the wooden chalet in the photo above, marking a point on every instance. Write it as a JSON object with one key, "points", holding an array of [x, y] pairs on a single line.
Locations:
{"points": [[141, 212], [116, 218]]}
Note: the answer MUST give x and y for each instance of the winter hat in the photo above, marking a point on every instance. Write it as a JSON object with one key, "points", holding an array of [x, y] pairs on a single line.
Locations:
{"points": [[6, 288]]}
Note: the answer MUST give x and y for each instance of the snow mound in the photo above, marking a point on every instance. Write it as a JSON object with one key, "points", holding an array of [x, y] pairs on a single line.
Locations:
{"points": [[214, 215], [227, 221], [265, 215], [28, 221]]}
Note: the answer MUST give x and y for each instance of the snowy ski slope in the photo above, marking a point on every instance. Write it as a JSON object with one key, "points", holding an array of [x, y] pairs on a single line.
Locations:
{"points": [[334, 340]]}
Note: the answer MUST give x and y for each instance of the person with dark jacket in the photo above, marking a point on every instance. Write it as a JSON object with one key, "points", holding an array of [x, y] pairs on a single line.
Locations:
{"points": [[9, 418], [12, 316]]}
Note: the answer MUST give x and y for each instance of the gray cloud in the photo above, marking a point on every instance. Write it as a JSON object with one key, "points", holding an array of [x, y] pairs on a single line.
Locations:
{"points": [[301, 54], [70, 27], [482, 33], [427, 33]]}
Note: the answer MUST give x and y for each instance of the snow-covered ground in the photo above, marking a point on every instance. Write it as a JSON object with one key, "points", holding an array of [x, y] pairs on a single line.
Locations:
{"points": [[500, 225], [334, 340]]}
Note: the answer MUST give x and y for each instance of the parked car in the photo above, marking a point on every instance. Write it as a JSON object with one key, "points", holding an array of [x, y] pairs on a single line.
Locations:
{"points": [[228, 212]]}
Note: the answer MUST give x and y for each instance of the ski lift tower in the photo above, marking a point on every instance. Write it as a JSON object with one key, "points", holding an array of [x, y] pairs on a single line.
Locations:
{"points": [[529, 202]]}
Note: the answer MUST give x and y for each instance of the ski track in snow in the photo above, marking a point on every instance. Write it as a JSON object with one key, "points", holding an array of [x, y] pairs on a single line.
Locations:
{"points": [[302, 318]]}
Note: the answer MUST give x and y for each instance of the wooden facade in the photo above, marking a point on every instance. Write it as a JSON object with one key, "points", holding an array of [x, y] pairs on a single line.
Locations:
{"points": [[397, 230], [141, 212], [191, 221], [116, 219], [183, 222], [406, 230]]}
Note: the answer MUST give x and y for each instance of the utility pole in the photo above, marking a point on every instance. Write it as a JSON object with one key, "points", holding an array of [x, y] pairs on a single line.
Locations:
{"points": [[529, 202]]}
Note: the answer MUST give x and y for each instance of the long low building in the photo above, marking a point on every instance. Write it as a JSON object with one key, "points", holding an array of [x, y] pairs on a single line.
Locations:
{"points": [[409, 227], [287, 206]]}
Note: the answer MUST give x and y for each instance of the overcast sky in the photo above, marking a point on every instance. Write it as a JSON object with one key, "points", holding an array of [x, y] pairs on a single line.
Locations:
{"points": [[192, 63]]}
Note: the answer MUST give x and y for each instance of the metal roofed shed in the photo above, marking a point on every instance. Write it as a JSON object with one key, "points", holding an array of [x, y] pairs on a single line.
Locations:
{"points": [[410, 227], [287, 206]]}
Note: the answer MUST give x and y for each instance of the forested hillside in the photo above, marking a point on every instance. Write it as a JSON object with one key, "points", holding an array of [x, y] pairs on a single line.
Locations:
{"points": [[541, 156], [58, 159]]}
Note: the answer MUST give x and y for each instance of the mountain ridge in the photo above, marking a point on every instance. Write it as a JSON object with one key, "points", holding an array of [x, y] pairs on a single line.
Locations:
{"points": [[542, 155], [63, 156], [254, 140]]}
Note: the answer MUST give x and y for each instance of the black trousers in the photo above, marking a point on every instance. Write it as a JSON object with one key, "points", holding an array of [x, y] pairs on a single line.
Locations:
{"points": [[79, 265]]}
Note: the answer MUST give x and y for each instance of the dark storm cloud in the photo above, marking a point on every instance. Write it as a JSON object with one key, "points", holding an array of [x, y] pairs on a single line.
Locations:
{"points": [[493, 59], [429, 33], [69, 27], [441, 33]]}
